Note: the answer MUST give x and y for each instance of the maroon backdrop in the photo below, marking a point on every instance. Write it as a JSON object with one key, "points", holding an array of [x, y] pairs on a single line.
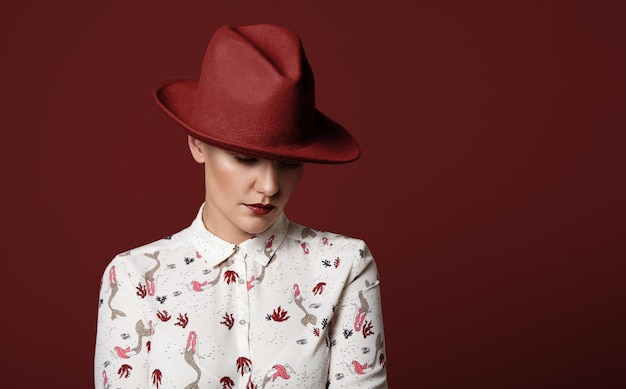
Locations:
{"points": [[490, 190]]}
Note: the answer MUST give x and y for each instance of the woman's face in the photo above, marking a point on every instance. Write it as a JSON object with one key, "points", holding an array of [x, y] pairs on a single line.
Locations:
{"points": [[244, 195]]}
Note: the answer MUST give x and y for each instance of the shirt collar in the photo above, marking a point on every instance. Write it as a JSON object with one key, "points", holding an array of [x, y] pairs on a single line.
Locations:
{"points": [[261, 247]]}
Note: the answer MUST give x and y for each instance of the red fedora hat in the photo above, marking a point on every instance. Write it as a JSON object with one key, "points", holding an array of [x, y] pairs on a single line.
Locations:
{"points": [[256, 96]]}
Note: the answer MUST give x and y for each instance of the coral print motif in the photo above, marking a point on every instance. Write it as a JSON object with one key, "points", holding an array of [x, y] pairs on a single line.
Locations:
{"points": [[229, 320], [230, 276], [243, 365], [157, 376], [182, 321], [124, 371], [279, 314], [227, 383], [319, 288], [163, 316], [292, 307]]}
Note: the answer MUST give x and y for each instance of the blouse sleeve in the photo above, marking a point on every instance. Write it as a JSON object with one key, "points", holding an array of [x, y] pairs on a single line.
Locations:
{"points": [[122, 336], [357, 336]]}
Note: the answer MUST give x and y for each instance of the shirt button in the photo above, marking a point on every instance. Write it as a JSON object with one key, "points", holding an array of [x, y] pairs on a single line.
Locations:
{"points": [[241, 281], [242, 322]]}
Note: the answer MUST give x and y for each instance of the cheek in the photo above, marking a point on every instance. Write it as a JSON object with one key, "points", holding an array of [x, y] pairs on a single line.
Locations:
{"points": [[223, 181]]}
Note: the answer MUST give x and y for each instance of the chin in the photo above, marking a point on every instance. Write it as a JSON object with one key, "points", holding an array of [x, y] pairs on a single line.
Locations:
{"points": [[256, 228]]}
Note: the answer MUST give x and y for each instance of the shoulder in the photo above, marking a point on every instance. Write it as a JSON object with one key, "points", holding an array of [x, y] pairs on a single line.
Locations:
{"points": [[348, 256], [156, 252], [326, 241]]}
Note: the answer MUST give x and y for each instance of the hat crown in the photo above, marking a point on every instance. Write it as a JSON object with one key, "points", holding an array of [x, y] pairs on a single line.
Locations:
{"points": [[256, 95], [258, 82]]}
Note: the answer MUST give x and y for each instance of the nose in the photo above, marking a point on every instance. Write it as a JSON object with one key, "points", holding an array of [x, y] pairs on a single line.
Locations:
{"points": [[267, 180]]}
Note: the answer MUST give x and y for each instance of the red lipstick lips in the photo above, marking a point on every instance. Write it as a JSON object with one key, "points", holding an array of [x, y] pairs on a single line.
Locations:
{"points": [[260, 209]]}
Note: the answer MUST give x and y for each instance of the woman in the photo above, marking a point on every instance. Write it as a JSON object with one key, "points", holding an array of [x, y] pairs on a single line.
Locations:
{"points": [[243, 297]]}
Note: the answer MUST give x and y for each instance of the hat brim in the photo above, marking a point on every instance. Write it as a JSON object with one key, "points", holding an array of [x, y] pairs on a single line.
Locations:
{"points": [[331, 142]]}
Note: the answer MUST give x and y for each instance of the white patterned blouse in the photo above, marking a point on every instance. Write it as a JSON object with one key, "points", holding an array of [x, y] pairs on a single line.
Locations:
{"points": [[291, 307]]}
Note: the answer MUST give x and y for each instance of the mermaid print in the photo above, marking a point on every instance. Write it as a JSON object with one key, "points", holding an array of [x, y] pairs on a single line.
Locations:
{"points": [[189, 353], [149, 275], [297, 298], [360, 312], [114, 289], [142, 331], [277, 371]]}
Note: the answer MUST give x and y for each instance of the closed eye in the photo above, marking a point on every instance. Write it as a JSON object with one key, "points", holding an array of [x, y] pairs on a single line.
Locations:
{"points": [[245, 160], [249, 161]]}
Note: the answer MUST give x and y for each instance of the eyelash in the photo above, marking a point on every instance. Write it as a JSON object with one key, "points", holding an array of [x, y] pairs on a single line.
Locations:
{"points": [[245, 160], [249, 161]]}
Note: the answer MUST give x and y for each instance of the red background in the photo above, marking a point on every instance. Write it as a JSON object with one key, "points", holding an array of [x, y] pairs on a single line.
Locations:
{"points": [[490, 189]]}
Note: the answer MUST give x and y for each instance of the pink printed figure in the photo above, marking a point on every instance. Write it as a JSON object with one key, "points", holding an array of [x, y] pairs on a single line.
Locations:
{"points": [[249, 283], [308, 318], [151, 287], [268, 245], [359, 368], [362, 368], [114, 289], [359, 318], [305, 247], [361, 311], [149, 275], [192, 339], [122, 352], [269, 253], [198, 286], [277, 371], [281, 371], [105, 380], [142, 331], [190, 351], [112, 276]]}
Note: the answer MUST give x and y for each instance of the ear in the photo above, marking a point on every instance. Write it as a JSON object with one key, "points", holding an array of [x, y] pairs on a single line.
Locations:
{"points": [[195, 146]]}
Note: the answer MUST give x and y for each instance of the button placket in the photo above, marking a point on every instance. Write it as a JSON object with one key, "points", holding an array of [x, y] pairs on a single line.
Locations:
{"points": [[243, 305]]}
